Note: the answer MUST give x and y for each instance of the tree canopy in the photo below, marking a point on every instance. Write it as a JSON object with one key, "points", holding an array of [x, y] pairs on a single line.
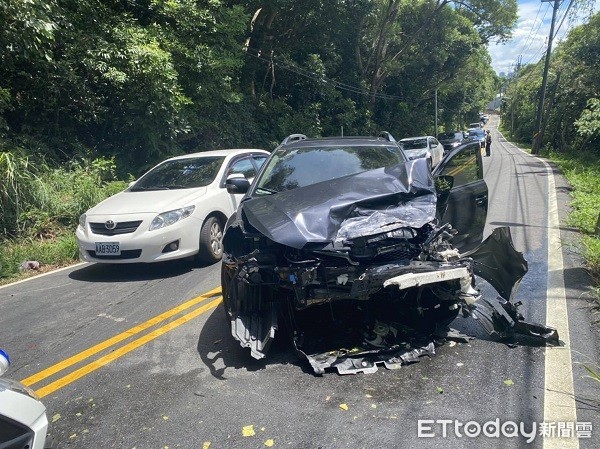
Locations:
{"points": [[140, 80]]}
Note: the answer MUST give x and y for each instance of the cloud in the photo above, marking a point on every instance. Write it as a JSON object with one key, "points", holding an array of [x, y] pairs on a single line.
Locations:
{"points": [[530, 34]]}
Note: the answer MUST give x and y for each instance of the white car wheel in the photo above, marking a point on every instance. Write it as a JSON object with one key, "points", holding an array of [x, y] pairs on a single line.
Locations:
{"points": [[211, 241]]}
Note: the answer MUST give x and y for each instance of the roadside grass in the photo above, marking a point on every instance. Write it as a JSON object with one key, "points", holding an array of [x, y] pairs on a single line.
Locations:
{"points": [[53, 253], [582, 170], [40, 208]]}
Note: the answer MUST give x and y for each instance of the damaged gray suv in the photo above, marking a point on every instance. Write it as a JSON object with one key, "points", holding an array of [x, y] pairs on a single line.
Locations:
{"points": [[361, 257]]}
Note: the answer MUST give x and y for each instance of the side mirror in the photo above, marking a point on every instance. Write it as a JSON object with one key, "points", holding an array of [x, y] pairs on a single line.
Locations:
{"points": [[237, 185]]}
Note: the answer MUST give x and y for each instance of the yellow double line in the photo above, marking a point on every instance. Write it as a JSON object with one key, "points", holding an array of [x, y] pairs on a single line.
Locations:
{"points": [[121, 351]]}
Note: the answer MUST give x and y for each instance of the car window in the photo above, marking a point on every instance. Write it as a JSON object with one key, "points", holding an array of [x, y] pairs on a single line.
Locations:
{"points": [[259, 160], [476, 133], [243, 167], [185, 173], [299, 167], [463, 167], [414, 144]]}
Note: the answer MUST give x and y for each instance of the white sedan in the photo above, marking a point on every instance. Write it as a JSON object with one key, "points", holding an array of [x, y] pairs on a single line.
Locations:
{"points": [[176, 210], [423, 146]]}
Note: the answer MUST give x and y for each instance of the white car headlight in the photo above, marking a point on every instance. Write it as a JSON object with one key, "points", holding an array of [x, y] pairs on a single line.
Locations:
{"points": [[171, 217], [82, 218]]}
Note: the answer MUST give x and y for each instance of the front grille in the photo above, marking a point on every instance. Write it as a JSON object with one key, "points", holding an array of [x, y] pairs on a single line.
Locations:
{"points": [[400, 254], [124, 227], [127, 254]]}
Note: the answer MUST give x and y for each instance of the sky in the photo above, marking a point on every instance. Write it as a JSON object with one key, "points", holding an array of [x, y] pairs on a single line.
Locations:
{"points": [[530, 37]]}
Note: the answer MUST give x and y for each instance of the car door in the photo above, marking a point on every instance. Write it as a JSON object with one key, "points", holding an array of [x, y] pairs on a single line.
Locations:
{"points": [[467, 203]]}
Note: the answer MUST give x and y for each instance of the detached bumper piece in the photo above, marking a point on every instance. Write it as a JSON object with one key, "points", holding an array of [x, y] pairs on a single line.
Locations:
{"points": [[503, 322], [366, 361]]}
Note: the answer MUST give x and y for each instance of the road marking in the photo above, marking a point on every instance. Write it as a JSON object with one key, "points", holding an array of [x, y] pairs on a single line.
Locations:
{"points": [[37, 276], [559, 393], [117, 338], [120, 352], [559, 397]]}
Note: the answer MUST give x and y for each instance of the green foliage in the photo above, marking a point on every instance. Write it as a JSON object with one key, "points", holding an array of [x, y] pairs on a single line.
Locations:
{"points": [[593, 374], [21, 188], [40, 202], [61, 250], [588, 124], [582, 170], [571, 110]]}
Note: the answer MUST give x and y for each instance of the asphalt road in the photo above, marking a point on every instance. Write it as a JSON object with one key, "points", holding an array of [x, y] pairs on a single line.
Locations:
{"points": [[141, 357]]}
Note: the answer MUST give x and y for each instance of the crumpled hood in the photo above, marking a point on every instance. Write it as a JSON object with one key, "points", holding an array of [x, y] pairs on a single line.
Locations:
{"points": [[357, 205], [152, 201]]}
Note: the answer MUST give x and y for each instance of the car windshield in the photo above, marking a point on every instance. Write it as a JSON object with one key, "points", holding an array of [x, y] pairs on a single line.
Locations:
{"points": [[476, 133], [180, 174], [450, 136], [300, 167], [414, 144]]}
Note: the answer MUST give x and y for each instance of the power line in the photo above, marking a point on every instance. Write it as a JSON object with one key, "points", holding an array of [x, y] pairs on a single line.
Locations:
{"points": [[316, 77]]}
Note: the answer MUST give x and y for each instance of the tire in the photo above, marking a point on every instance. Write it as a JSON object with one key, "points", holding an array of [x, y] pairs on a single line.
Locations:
{"points": [[226, 280], [211, 241]]}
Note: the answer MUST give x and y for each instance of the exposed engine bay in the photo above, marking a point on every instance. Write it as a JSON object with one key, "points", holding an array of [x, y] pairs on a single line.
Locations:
{"points": [[364, 279]]}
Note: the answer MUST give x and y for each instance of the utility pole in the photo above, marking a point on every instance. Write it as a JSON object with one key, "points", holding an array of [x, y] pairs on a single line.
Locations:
{"points": [[435, 133], [537, 132], [514, 98]]}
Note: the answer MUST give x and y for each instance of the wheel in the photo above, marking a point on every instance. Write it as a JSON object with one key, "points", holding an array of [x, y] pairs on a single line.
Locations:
{"points": [[211, 241], [226, 282]]}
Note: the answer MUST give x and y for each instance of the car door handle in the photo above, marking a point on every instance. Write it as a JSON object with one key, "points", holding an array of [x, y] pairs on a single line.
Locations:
{"points": [[481, 200]]}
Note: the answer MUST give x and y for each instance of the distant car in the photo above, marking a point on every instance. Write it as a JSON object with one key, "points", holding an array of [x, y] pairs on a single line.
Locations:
{"points": [[176, 210], [477, 134], [427, 147], [475, 125], [451, 140]]}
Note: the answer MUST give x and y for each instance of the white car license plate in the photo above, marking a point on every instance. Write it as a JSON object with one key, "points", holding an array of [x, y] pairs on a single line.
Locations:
{"points": [[108, 249]]}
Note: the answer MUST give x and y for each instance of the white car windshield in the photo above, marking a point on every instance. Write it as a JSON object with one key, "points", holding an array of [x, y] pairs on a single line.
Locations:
{"points": [[186, 173], [414, 144]]}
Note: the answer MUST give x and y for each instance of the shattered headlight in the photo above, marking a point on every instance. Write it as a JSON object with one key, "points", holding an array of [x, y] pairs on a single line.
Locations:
{"points": [[171, 217]]}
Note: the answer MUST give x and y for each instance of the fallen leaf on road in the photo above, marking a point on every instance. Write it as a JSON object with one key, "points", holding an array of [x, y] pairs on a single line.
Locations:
{"points": [[440, 390], [206, 445], [508, 382], [270, 442], [344, 406], [56, 417], [248, 431]]}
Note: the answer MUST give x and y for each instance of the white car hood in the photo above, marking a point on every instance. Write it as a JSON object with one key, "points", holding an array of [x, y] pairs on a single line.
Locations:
{"points": [[154, 201]]}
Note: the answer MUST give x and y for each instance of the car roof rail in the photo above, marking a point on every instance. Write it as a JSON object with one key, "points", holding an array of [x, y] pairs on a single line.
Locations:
{"points": [[386, 135], [293, 138]]}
